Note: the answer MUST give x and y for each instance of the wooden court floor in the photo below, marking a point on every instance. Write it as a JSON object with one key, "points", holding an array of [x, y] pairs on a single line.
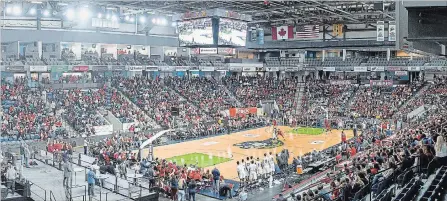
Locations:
{"points": [[223, 146]]}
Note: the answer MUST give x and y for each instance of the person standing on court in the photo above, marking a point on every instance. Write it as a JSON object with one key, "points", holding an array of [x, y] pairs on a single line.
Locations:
{"points": [[216, 179], [91, 176]]}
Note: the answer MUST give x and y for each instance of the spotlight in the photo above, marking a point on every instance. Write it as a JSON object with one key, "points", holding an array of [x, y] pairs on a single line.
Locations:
{"points": [[158, 21], [142, 19], [16, 10], [70, 14], [154, 20], [99, 15], [8, 10], [114, 18], [132, 19], [46, 13], [32, 11], [84, 13], [163, 22], [127, 18]]}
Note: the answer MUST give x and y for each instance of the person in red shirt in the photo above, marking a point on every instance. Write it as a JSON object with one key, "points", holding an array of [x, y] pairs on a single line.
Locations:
{"points": [[343, 136], [353, 151]]}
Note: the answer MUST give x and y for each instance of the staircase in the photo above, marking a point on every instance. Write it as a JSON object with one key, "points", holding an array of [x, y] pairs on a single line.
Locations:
{"points": [[152, 121], [351, 99], [232, 96], [72, 132], [299, 96], [416, 95]]}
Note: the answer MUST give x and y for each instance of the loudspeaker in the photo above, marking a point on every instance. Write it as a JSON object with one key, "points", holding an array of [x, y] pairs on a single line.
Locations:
{"points": [[174, 111]]}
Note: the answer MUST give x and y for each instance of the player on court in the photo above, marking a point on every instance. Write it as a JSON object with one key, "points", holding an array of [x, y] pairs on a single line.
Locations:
{"points": [[253, 172], [267, 168], [279, 132], [241, 172], [343, 136], [260, 168]]}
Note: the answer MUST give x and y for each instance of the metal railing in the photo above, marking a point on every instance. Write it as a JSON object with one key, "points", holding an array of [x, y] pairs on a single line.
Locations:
{"points": [[39, 194], [52, 198]]}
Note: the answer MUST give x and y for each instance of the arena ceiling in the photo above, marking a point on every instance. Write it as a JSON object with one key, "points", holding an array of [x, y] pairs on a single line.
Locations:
{"points": [[274, 12]]}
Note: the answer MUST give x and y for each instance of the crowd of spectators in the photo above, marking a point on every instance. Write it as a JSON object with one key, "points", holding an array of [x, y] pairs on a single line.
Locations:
{"points": [[382, 101], [432, 94], [24, 114], [252, 90], [155, 98], [334, 98], [205, 93]]}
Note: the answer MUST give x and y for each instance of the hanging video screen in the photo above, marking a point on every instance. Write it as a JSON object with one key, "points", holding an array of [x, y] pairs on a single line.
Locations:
{"points": [[232, 32], [195, 32]]}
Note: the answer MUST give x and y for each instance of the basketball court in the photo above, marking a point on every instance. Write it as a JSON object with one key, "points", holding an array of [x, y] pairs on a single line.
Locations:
{"points": [[222, 149]]}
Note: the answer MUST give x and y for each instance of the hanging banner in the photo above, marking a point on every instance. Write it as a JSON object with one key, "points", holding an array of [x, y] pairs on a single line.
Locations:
{"points": [[261, 36], [100, 68], [253, 34], [380, 31], [401, 73], [330, 69], [59, 68], [80, 68], [272, 69], [38, 68], [392, 31], [225, 51], [377, 68], [361, 69], [135, 68], [380, 83], [414, 68], [15, 68]]}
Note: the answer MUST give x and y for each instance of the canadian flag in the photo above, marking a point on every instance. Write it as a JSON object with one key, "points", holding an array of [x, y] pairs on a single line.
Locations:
{"points": [[282, 33]]}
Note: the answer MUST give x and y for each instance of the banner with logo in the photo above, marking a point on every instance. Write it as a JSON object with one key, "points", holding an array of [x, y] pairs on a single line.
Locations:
{"points": [[151, 68], [15, 68], [386, 83], [377, 68], [80, 68], [393, 68], [100, 68], [360, 69], [330, 69], [401, 73], [59, 68], [207, 69], [38, 68], [432, 68], [380, 31], [236, 69], [271, 69], [291, 69], [340, 82], [242, 112], [224, 51], [118, 68], [251, 69], [208, 50], [181, 68], [414, 68], [135, 68], [392, 31]]}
